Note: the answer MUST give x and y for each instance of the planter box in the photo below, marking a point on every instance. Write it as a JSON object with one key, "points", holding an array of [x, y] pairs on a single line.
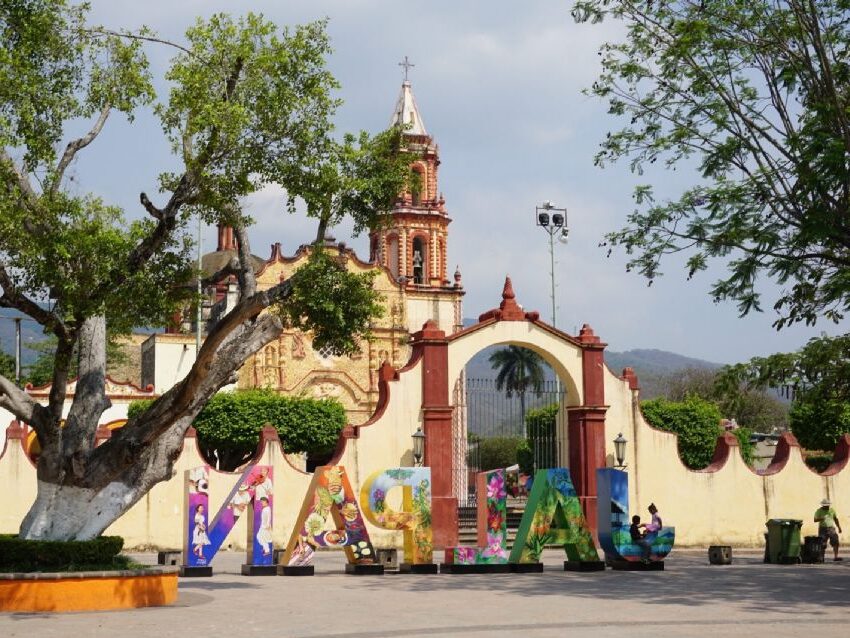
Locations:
{"points": [[88, 591]]}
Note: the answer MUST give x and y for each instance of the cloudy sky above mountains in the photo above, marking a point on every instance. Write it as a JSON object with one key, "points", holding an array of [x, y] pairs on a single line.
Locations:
{"points": [[499, 85]]}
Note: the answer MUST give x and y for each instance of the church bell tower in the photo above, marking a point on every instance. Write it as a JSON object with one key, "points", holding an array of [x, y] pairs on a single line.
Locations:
{"points": [[413, 246]]}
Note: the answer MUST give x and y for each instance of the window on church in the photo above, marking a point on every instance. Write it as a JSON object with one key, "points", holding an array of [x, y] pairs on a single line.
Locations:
{"points": [[417, 186], [324, 352], [418, 260]]}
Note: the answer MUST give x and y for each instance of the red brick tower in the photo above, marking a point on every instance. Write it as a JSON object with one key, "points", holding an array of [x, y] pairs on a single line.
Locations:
{"points": [[413, 247]]}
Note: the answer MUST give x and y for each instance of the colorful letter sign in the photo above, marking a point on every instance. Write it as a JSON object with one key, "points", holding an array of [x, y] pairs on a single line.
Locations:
{"points": [[329, 495], [415, 517], [553, 516], [612, 487], [492, 524], [201, 541]]}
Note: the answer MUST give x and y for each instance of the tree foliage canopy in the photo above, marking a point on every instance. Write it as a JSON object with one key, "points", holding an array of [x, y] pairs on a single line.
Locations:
{"points": [[756, 96], [697, 424], [249, 104], [818, 379], [230, 424]]}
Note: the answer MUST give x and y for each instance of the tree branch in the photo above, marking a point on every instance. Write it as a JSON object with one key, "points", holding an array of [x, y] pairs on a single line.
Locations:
{"points": [[247, 280], [20, 404], [21, 178], [11, 298], [76, 146]]}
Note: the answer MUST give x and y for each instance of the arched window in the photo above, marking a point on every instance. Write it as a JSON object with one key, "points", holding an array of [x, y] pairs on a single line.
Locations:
{"points": [[417, 188], [420, 255], [392, 254]]}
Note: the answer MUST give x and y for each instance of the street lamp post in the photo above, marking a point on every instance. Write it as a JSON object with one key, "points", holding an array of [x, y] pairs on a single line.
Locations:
{"points": [[554, 221], [418, 446]]}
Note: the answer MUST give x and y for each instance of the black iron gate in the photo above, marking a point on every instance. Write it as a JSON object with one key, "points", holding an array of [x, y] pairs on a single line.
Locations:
{"points": [[495, 429]]}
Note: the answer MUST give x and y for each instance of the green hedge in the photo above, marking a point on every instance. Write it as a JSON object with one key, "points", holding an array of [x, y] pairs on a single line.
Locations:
{"points": [[230, 423], [20, 555], [697, 422], [498, 452]]}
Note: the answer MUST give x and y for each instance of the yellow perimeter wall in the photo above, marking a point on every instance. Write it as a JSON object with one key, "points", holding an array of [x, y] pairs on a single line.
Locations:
{"points": [[726, 506]]}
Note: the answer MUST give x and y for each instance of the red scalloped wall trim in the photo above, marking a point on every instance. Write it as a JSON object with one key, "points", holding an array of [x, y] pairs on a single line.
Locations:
{"points": [[840, 457], [784, 445], [386, 373], [726, 442]]}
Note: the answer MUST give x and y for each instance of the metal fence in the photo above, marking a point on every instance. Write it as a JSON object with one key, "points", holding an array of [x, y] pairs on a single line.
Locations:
{"points": [[494, 429]]}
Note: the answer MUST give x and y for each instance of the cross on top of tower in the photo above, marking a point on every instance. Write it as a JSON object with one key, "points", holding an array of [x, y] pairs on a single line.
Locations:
{"points": [[407, 64]]}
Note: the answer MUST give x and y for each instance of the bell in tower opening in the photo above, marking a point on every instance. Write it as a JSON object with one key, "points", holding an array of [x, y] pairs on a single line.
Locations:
{"points": [[418, 261]]}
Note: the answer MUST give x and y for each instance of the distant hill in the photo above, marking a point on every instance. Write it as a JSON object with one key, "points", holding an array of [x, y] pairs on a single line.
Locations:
{"points": [[649, 365], [31, 333]]}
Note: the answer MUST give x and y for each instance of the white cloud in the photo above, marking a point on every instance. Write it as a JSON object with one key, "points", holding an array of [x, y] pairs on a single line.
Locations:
{"points": [[499, 85]]}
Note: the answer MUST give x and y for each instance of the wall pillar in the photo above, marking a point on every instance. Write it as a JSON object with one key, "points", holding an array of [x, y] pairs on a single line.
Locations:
{"points": [[586, 425], [586, 442], [437, 416]]}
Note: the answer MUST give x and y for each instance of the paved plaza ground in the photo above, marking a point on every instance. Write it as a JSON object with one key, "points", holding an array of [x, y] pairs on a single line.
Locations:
{"points": [[689, 598]]}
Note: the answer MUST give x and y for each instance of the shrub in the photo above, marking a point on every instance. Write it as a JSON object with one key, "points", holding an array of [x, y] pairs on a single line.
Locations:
{"points": [[697, 423], [542, 437], [230, 424], [498, 452], [818, 462], [20, 555]]}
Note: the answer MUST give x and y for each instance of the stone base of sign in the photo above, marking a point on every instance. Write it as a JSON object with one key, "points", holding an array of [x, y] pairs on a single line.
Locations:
{"points": [[455, 568], [296, 570], [259, 570], [188, 571], [420, 568], [370, 569]]}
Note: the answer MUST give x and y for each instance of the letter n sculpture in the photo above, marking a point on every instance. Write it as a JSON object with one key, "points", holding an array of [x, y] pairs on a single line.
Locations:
{"points": [[202, 540]]}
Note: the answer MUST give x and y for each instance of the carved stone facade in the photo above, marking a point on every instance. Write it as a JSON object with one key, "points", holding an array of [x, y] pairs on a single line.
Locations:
{"points": [[411, 278]]}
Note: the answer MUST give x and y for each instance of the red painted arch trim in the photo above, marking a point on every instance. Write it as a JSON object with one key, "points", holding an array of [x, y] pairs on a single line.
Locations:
{"points": [[386, 373], [840, 458]]}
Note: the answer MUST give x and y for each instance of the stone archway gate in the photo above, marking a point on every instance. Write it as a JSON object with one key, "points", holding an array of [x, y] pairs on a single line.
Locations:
{"points": [[579, 363]]}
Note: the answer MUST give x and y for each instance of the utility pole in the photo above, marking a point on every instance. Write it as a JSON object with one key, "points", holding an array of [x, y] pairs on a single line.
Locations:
{"points": [[18, 351], [554, 221], [199, 315]]}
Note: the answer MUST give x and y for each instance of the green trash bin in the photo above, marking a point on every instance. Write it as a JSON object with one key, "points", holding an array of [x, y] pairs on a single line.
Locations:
{"points": [[783, 540]]}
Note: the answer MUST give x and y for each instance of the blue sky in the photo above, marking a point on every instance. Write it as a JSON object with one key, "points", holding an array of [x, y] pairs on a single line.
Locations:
{"points": [[499, 85]]}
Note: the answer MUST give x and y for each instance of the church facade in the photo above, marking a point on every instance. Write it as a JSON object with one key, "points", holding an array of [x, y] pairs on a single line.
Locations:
{"points": [[409, 256]]}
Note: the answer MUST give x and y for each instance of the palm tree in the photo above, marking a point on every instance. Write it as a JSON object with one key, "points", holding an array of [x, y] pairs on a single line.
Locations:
{"points": [[520, 370]]}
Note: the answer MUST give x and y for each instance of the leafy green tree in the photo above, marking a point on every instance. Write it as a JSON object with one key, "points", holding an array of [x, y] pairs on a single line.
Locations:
{"points": [[755, 96], [229, 425], [497, 452], [753, 408], [248, 105], [697, 424], [7, 365], [817, 377], [540, 426], [520, 370]]}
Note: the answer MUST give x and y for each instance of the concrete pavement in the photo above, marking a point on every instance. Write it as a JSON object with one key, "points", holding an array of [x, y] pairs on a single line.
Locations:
{"points": [[689, 598]]}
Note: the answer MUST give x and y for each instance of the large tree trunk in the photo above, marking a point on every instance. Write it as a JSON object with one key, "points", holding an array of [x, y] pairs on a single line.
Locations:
{"points": [[95, 486]]}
